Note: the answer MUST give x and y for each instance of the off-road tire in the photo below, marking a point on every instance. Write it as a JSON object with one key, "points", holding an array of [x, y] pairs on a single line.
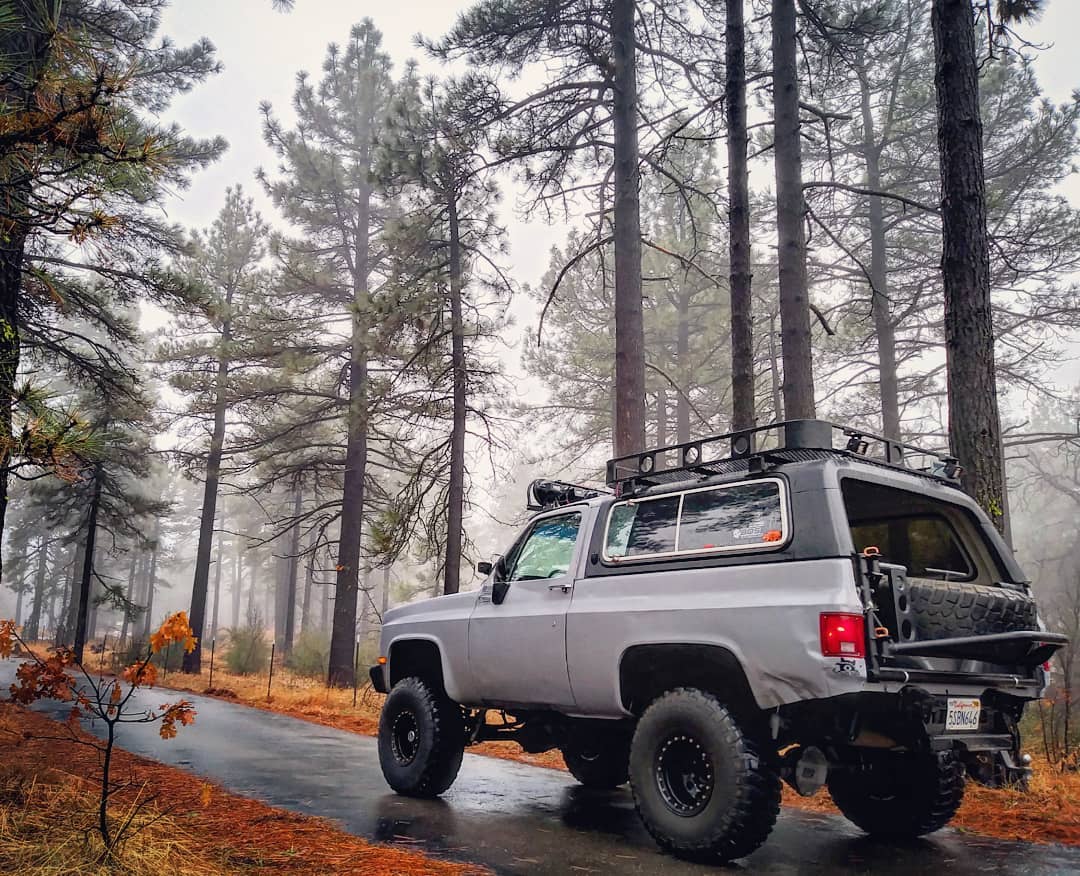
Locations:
{"points": [[598, 760], [421, 739], [742, 806], [947, 609], [903, 796]]}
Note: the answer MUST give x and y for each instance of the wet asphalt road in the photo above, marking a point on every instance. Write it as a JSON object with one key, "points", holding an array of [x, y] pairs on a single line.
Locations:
{"points": [[514, 818]]}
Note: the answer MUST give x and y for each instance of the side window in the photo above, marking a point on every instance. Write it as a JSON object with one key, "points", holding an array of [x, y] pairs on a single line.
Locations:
{"points": [[927, 546], [639, 528], [548, 549], [733, 517]]}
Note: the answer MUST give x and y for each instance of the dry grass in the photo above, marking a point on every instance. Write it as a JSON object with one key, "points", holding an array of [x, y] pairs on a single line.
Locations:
{"points": [[47, 814]]}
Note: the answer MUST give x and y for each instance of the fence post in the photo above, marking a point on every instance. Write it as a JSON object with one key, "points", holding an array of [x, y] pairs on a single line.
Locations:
{"points": [[270, 680], [355, 672], [210, 684]]}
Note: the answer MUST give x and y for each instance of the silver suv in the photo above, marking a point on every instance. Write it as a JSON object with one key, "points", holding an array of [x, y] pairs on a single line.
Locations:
{"points": [[801, 602]]}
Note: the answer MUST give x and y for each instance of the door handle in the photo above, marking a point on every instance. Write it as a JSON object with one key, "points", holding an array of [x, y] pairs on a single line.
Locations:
{"points": [[565, 588]]}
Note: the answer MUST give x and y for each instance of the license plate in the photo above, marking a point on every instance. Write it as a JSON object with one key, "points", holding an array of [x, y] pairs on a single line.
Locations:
{"points": [[962, 714]]}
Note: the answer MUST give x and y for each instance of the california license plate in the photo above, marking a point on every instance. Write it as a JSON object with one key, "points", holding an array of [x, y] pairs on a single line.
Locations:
{"points": [[963, 714]]}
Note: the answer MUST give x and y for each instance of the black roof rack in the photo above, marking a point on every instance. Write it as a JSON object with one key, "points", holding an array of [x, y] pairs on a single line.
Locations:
{"points": [[544, 494], [751, 450]]}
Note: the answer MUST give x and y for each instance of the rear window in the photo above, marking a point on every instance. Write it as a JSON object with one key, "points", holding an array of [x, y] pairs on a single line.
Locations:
{"points": [[927, 545], [735, 517]]}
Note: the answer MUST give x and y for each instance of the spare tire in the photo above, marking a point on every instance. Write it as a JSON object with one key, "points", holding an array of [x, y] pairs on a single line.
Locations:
{"points": [[950, 609]]}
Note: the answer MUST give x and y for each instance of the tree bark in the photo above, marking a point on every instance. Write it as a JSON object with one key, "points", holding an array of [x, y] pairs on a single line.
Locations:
{"points": [[742, 306], [343, 634], [629, 321], [974, 423], [33, 625], [294, 565], [151, 583], [456, 487], [682, 367], [309, 580], [791, 235], [237, 584], [87, 566], [129, 595], [193, 660], [880, 307]]}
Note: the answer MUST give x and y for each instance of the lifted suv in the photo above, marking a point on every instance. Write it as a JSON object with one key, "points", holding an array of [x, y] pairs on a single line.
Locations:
{"points": [[731, 616]]}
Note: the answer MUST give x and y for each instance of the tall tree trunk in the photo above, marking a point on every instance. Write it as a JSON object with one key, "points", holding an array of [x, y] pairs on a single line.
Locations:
{"points": [[193, 660], [151, 582], [88, 566], [33, 625], [661, 416], [774, 372], [309, 580], [19, 605], [682, 367], [629, 321], [742, 305], [343, 634], [294, 567], [974, 423], [129, 595], [456, 487], [237, 584], [791, 235], [879, 272], [217, 590]]}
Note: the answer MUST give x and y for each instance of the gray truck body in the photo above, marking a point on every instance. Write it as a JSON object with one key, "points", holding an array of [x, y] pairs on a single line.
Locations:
{"points": [[559, 644]]}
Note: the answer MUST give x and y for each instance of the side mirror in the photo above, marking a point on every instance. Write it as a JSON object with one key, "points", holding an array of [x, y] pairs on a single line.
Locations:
{"points": [[484, 568]]}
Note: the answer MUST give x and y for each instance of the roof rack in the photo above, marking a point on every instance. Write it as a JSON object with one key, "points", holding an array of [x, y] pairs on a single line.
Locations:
{"points": [[751, 450], [544, 494]]}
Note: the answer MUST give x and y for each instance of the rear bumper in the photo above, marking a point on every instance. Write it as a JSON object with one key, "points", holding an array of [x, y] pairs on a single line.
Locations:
{"points": [[377, 674]]}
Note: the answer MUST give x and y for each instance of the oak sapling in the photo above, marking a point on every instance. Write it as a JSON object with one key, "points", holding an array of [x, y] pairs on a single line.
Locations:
{"points": [[59, 677]]}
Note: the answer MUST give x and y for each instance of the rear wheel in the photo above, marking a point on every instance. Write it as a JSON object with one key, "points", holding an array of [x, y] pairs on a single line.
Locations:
{"points": [[598, 759], [421, 739], [900, 796], [701, 784]]}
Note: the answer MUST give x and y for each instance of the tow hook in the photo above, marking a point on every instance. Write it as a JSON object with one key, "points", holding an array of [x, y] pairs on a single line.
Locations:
{"points": [[806, 770]]}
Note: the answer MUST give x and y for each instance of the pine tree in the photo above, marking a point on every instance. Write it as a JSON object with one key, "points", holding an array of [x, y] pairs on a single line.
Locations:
{"points": [[209, 349], [83, 161], [326, 189]]}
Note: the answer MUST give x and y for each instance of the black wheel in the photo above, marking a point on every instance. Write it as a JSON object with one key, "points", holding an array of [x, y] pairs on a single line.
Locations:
{"points": [[597, 759], [421, 739], [900, 796], [700, 782]]}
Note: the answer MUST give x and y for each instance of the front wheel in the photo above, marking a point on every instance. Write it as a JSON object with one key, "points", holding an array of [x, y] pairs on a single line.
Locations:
{"points": [[900, 796], [701, 784], [421, 739]]}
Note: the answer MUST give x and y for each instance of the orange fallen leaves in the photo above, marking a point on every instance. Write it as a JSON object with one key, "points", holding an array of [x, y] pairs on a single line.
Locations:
{"points": [[244, 835]]}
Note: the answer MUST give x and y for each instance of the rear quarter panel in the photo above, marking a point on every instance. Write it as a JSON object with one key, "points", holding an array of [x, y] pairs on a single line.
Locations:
{"points": [[766, 614]]}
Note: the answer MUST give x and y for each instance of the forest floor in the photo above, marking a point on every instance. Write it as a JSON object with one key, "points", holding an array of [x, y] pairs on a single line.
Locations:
{"points": [[1048, 813], [184, 826]]}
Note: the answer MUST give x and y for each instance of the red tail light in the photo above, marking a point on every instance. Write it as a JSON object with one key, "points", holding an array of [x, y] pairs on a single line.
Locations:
{"points": [[843, 635]]}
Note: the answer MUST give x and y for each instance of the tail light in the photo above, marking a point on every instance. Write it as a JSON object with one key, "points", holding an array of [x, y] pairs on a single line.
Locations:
{"points": [[843, 635]]}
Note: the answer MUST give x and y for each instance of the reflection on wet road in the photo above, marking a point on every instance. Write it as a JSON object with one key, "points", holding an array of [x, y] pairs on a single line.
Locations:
{"points": [[520, 819]]}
